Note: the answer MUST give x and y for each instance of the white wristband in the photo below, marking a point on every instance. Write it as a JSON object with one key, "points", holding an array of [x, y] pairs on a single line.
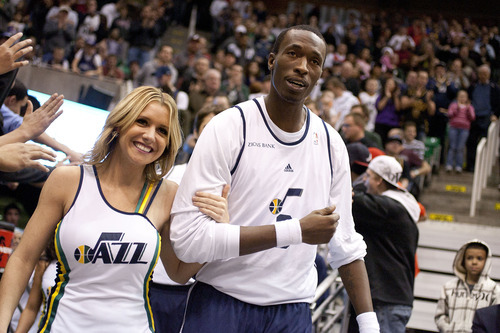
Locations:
{"points": [[288, 232], [368, 323]]}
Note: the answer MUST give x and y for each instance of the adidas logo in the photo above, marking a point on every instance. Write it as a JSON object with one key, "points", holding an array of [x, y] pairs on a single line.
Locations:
{"points": [[288, 168]]}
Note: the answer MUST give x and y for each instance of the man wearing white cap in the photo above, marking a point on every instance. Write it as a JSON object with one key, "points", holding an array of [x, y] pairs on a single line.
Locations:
{"points": [[385, 214]]}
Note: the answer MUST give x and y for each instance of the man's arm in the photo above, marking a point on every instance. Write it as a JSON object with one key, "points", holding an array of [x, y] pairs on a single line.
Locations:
{"points": [[17, 156], [35, 123], [196, 237], [355, 280], [347, 248], [58, 146]]}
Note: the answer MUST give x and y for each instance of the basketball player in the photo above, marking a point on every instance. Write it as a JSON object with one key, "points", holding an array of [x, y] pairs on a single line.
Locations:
{"points": [[282, 162]]}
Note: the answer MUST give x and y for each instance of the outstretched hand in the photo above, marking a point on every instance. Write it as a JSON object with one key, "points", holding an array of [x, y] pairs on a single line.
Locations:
{"points": [[319, 226], [10, 52], [35, 123], [213, 205], [17, 156]]}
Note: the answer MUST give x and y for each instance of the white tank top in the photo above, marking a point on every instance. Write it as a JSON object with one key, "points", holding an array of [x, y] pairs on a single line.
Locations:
{"points": [[105, 257], [301, 179]]}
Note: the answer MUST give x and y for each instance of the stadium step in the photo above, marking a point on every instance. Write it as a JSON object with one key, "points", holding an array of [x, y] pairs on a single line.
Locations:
{"points": [[448, 198]]}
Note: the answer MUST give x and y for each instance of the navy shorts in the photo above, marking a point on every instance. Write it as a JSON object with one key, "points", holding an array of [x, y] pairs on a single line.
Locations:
{"points": [[209, 310], [168, 304]]}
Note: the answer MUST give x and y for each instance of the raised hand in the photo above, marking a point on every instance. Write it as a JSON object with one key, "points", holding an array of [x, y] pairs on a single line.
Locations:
{"points": [[35, 123], [213, 205], [319, 226], [17, 156], [10, 52]]}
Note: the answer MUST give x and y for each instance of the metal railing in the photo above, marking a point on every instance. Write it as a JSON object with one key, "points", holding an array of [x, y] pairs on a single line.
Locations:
{"points": [[332, 311], [486, 154]]}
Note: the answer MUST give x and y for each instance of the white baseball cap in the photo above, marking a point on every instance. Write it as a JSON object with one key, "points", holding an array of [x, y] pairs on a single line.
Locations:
{"points": [[388, 168]]}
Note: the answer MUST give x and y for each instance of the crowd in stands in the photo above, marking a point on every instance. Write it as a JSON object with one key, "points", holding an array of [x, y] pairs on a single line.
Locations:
{"points": [[400, 68], [388, 82]]}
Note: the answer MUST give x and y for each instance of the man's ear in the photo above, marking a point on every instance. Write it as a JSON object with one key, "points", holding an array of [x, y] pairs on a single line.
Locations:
{"points": [[270, 61], [9, 100]]}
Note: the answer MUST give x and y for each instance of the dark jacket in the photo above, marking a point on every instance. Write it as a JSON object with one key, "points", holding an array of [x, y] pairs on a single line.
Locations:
{"points": [[487, 320], [494, 97], [391, 237]]}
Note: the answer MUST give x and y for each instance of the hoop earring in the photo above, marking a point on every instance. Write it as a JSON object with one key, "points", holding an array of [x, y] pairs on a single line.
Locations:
{"points": [[114, 135]]}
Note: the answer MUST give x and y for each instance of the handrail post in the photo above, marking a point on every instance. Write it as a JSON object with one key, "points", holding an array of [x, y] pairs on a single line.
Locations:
{"points": [[478, 177]]}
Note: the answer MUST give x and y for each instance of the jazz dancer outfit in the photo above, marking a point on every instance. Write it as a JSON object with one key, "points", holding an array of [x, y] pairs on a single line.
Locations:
{"points": [[105, 259]]}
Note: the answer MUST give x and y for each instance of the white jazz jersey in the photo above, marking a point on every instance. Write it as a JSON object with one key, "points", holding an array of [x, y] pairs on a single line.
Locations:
{"points": [[105, 257], [274, 176]]}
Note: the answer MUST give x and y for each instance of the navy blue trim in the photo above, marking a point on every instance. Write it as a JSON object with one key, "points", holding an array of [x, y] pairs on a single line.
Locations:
{"points": [[80, 182], [113, 208], [274, 136], [233, 170], [329, 149], [152, 197]]}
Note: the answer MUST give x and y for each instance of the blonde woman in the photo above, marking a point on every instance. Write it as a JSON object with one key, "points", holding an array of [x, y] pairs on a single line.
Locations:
{"points": [[106, 218]]}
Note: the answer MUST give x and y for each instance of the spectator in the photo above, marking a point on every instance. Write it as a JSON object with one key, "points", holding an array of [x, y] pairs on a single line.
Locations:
{"points": [[59, 31], [116, 45], [12, 213], [187, 58], [487, 320], [111, 69], [87, 61], [210, 88], [163, 58], [123, 21], [456, 75], [418, 105], [253, 73], [399, 38], [326, 109], [65, 4], [388, 106], [15, 155], [193, 77], [485, 98], [18, 98], [359, 157], [444, 93], [42, 283], [349, 78], [142, 36], [461, 114], [93, 24], [386, 216], [373, 137], [410, 139], [58, 59], [353, 130], [234, 88], [164, 81], [241, 47], [368, 97], [414, 168], [471, 289], [343, 102]]}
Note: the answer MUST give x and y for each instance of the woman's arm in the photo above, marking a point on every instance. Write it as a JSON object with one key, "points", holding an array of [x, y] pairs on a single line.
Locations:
{"points": [[55, 200], [212, 205], [28, 316]]}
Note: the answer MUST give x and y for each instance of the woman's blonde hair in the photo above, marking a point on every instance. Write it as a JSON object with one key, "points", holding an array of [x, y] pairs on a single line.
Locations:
{"points": [[123, 116]]}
